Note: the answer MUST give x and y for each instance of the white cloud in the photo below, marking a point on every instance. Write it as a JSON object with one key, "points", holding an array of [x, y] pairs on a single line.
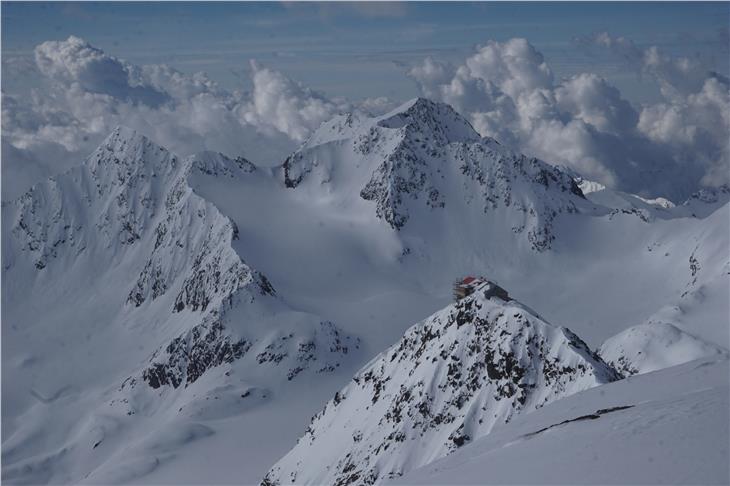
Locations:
{"points": [[592, 100], [431, 75], [281, 104], [696, 128], [515, 66], [76, 62], [87, 92], [677, 76], [508, 92]]}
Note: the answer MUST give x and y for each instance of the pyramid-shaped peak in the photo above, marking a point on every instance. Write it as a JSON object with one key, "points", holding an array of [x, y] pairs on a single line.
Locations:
{"points": [[126, 147], [128, 140], [420, 104], [125, 134], [430, 118]]}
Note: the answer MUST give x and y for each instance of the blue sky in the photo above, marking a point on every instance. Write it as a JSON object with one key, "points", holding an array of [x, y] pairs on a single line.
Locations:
{"points": [[360, 50]]}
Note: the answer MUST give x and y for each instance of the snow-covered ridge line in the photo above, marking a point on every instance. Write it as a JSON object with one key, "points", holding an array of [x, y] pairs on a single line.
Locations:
{"points": [[448, 381]]}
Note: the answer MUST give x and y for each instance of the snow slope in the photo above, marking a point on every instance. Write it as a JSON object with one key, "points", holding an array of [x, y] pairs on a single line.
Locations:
{"points": [[448, 381], [674, 430]]}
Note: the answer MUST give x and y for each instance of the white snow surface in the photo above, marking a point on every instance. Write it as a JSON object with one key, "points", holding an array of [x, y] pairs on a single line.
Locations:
{"points": [[251, 295], [675, 432]]}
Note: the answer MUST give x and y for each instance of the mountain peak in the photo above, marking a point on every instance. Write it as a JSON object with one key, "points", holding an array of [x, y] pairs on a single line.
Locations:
{"points": [[126, 151], [122, 133], [411, 160], [123, 138], [418, 104], [430, 118], [449, 380]]}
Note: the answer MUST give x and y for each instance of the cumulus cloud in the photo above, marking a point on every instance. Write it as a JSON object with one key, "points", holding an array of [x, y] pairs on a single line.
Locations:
{"points": [[509, 92], [694, 120], [696, 128], [515, 66], [87, 92], [590, 99], [677, 76], [506, 89], [281, 104], [78, 63], [431, 75]]}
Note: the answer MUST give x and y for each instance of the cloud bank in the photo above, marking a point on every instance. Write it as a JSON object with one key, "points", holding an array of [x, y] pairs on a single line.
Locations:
{"points": [[508, 92], [506, 89], [88, 92]]}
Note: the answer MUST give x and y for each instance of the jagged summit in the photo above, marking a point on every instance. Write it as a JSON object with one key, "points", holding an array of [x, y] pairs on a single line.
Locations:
{"points": [[124, 132], [134, 154], [448, 381], [128, 145], [427, 118]]}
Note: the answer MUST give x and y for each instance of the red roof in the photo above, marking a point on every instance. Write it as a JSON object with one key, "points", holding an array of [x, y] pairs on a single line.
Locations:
{"points": [[468, 280]]}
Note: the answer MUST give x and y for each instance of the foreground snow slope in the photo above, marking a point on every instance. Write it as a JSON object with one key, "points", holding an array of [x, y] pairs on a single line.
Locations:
{"points": [[675, 431], [450, 380]]}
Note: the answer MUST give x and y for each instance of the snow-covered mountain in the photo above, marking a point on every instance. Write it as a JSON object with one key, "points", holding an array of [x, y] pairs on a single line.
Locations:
{"points": [[154, 279], [422, 157], [456, 204], [161, 314], [448, 381]]}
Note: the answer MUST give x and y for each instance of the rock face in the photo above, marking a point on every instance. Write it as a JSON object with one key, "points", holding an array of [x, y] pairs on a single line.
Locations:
{"points": [[423, 156], [653, 346], [448, 381]]}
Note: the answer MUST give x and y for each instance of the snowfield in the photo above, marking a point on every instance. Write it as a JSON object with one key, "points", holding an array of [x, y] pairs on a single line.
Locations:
{"points": [[172, 320]]}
